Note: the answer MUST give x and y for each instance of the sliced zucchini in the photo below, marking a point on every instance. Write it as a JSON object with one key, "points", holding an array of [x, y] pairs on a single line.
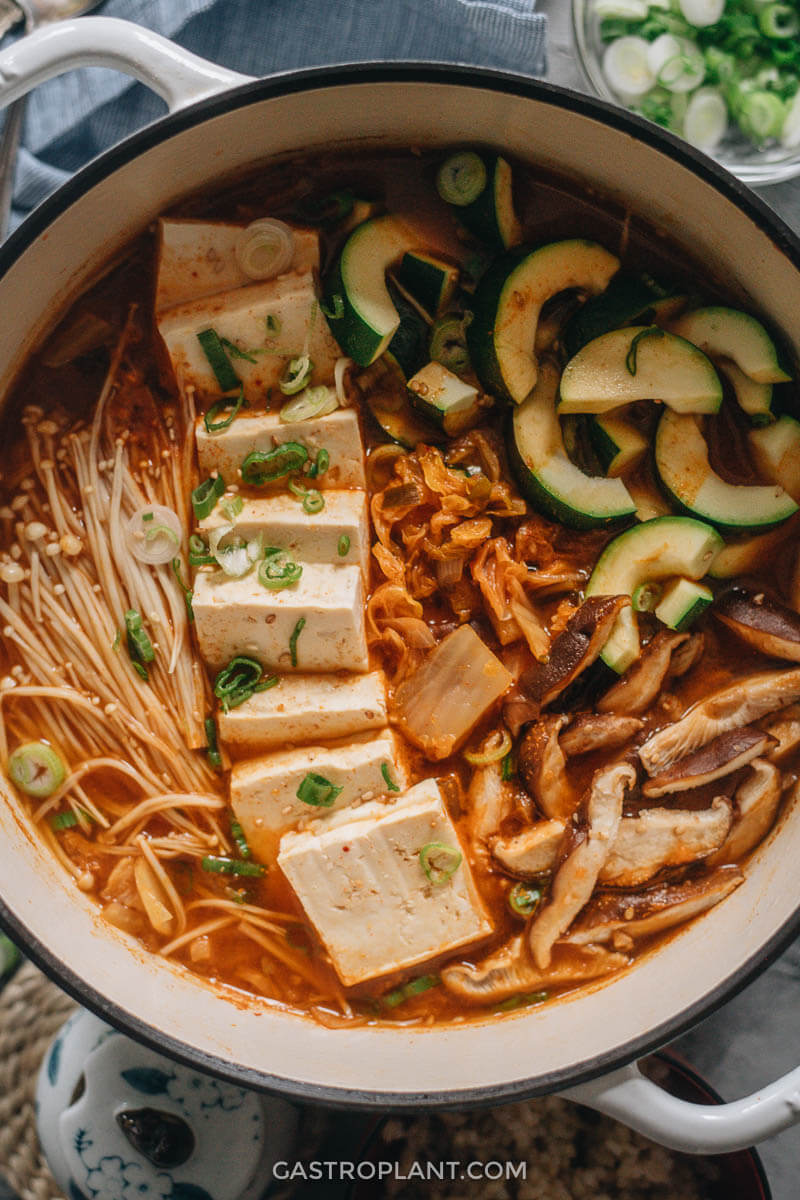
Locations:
{"points": [[753, 398], [370, 318], [430, 280], [776, 453], [448, 343], [618, 445], [387, 401], [441, 397], [490, 215], [746, 555], [640, 362], [683, 601], [409, 345], [547, 476], [654, 550], [507, 303], [629, 299], [681, 460], [727, 333]]}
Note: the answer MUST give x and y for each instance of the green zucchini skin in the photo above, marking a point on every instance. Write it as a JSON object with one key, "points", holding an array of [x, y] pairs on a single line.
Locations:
{"points": [[728, 333], [508, 301], [491, 216], [430, 280], [409, 345], [628, 300], [683, 603]]}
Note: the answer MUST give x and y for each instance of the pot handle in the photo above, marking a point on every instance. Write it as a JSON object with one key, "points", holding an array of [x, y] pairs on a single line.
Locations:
{"points": [[692, 1128], [177, 75]]}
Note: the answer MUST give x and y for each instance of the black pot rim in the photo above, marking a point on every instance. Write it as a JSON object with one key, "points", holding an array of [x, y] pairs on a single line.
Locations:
{"points": [[313, 79]]}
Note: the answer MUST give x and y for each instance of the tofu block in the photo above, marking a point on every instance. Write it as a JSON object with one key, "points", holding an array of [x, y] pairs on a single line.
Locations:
{"points": [[338, 433], [363, 888], [241, 616], [306, 708], [240, 316], [311, 538], [263, 790], [198, 258]]}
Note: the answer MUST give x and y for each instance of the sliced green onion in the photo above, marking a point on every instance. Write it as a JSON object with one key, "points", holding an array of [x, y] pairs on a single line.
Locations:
{"points": [[298, 629], [278, 571], [199, 553], [218, 360], [390, 783], [237, 682], [212, 744], [335, 310], [761, 115], [778, 21], [231, 405], [265, 248], [240, 841], [296, 375], [633, 352], [313, 501], [236, 557], [508, 768], [274, 324], [140, 648], [448, 344], [343, 547], [235, 351], [115, 645], [490, 753], [439, 862], [36, 769], [187, 591], [262, 467], [523, 899], [217, 865], [148, 516], [63, 820], [232, 508], [162, 531], [152, 534], [318, 791], [206, 495], [320, 464], [414, 987], [311, 402], [646, 596], [461, 178], [140, 670], [522, 1001]]}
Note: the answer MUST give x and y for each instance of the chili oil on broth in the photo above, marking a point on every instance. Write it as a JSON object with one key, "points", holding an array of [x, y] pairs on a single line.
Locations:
{"points": [[249, 933]]}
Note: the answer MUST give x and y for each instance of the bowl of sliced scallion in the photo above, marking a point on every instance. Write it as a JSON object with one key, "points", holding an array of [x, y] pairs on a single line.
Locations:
{"points": [[723, 74]]}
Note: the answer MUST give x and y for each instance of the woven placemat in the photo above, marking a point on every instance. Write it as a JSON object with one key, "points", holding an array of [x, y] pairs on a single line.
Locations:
{"points": [[32, 1010]]}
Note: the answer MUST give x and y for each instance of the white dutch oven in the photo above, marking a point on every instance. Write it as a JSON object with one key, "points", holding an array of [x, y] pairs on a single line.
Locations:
{"points": [[221, 123]]}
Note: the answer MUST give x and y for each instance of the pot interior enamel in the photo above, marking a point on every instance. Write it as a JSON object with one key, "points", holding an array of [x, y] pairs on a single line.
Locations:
{"points": [[56, 254]]}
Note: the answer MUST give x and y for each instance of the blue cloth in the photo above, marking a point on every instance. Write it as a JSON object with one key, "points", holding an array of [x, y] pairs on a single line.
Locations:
{"points": [[71, 119]]}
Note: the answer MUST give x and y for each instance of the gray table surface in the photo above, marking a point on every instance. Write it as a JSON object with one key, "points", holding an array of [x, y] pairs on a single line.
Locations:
{"points": [[756, 1037]]}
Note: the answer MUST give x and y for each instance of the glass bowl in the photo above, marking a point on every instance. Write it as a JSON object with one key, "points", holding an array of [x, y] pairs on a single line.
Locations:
{"points": [[773, 164]]}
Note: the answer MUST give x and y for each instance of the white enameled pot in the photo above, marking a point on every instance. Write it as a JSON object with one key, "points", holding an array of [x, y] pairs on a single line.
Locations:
{"points": [[221, 123]]}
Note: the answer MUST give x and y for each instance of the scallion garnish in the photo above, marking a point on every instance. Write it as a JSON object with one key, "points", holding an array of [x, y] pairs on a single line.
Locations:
{"points": [[140, 648], [318, 791], [218, 360], [68, 819], [36, 769], [218, 865], [231, 405], [148, 516], [461, 178], [298, 629], [390, 783], [157, 531], [414, 987], [507, 768], [522, 1001], [278, 570], [199, 553], [187, 591], [523, 900], [212, 745], [439, 861], [235, 351], [320, 464], [313, 500], [115, 645], [311, 402], [206, 495], [343, 546], [631, 356], [262, 467], [296, 375], [273, 324], [237, 833], [335, 310], [239, 680], [232, 508]]}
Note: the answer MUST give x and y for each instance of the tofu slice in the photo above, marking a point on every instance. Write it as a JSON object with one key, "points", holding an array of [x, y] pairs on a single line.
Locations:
{"points": [[361, 884], [240, 616], [198, 258], [263, 790], [338, 433], [240, 316], [310, 538], [306, 708]]}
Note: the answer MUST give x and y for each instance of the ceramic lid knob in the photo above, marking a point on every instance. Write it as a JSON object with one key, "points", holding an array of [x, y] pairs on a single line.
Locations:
{"points": [[118, 1121]]}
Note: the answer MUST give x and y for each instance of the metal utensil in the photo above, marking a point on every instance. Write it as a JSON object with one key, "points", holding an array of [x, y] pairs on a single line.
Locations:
{"points": [[34, 13]]}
